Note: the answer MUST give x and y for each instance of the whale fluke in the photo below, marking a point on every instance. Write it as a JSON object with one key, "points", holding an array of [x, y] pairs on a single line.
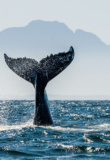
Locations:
{"points": [[39, 74], [24, 67]]}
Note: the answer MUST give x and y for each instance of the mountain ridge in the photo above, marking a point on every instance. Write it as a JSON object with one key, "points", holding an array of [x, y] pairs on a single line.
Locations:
{"points": [[44, 36]]}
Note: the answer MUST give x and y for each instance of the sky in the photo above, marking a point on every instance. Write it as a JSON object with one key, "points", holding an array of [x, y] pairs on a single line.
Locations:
{"points": [[88, 15]]}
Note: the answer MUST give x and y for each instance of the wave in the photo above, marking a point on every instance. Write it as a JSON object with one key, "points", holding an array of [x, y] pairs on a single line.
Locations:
{"points": [[16, 127], [101, 127], [67, 129], [94, 128], [79, 149], [15, 152]]}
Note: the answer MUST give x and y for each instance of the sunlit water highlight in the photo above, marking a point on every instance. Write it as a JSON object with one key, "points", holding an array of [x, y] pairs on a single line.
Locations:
{"points": [[81, 130]]}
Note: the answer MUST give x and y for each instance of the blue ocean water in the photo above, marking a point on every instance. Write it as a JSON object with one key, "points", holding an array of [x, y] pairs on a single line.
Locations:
{"points": [[81, 130]]}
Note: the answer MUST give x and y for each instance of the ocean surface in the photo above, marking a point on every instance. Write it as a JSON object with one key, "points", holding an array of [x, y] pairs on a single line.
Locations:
{"points": [[81, 130]]}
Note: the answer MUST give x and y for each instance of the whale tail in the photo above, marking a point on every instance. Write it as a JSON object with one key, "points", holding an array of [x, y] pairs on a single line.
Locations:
{"points": [[39, 74], [24, 67], [46, 69]]}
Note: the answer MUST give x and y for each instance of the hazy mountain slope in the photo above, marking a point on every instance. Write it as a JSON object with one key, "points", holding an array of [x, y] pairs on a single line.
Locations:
{"points": [[39, 38]]}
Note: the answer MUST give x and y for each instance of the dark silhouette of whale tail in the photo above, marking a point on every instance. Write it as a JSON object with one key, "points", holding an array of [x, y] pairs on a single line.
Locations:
{"points": [[47, 68], [39, 74]]}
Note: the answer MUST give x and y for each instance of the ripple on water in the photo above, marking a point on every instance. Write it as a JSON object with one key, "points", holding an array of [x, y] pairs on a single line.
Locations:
{"points": [[81, 130]]}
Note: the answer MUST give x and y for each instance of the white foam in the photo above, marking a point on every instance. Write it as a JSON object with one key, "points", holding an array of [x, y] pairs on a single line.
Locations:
{"points": [[67, 129], [104, 126], [65, 146], [57, 128], [87, 139], [16, 127]]}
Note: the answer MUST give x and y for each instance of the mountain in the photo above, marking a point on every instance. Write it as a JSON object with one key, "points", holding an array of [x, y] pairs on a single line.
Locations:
{"points": [[87, 75], [36, 39], [39, 38]]}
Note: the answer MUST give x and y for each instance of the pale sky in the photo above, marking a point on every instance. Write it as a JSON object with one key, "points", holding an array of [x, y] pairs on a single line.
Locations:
{"points": [[88, 15]]}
